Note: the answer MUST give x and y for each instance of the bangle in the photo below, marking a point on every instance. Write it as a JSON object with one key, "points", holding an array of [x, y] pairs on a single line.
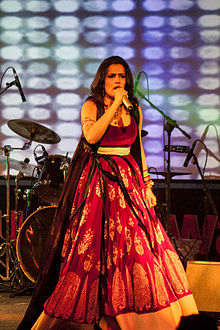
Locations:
{"points": [[149, 184], [147, 180], [146, 175]]}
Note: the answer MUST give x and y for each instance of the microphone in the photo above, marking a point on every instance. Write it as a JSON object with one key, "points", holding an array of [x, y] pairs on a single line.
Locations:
{"points": [[137, 82], [127, 103], [17, 83], [190, 154]]}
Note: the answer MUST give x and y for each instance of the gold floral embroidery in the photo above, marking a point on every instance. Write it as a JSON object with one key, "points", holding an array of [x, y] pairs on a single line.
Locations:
{"points": [[66, 290], [128, 239], [88, 263], [86, 241], [92, 312], [136, 195], [108, 262], [129, 172], [138, 245], [98, 266], [121, 253], [131, 222], [118, 292], [118, 224], [142, 292], [81, 305], [85, 213], [159, 235], [115, 253], [105, 229], [111, 228], [124, 178], [98, 190], [121, 198], [82, 178], [176, 272], [162, 295], [65, 243], [111, 192]]}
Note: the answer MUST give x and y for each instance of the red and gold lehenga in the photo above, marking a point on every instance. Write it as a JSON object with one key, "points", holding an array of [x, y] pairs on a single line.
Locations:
{"points": [[116, 258]]}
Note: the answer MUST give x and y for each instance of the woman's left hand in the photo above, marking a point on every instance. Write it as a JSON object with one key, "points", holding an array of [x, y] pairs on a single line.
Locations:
{"points": [[151, 197]]}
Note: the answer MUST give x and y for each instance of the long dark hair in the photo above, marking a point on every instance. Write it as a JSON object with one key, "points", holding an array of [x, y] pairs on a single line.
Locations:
{"points": [[97, 88]]}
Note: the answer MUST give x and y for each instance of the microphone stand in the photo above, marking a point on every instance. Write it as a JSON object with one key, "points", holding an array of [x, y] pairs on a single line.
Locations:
{"points": [[169, 126], [8, 85], [207, 196]]}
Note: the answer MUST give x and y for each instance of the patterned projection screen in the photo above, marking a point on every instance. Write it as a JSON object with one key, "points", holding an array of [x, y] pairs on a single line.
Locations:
{"points": [[57, 46]]}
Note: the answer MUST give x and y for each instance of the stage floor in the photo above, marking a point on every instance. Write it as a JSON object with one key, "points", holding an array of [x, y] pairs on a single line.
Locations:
{"points": [[12, 310]]}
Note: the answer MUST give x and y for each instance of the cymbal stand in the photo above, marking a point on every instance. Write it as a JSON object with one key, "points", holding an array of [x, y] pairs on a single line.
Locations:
{"points": [[17, 276], [7, 247], [16, 212]]}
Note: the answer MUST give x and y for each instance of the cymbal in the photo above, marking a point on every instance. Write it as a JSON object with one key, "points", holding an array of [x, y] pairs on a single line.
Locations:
{"points": [[33, 131], [172, 173], [19, 165]]}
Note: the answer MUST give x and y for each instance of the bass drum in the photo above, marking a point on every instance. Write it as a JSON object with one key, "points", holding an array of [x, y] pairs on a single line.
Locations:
{"points": [[32, 239]]}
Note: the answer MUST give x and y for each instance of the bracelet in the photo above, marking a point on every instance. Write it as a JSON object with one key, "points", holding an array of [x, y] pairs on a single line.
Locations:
{"points": [[147, 180], [145, 173], [146, 177], [149, 184]]}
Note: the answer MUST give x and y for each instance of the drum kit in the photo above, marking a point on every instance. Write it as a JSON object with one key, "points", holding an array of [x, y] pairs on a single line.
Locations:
{"points": [[26, 251]]}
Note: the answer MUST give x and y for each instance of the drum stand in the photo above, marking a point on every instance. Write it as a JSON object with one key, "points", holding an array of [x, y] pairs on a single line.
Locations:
{"points": [[13, 274], [7, 247]]}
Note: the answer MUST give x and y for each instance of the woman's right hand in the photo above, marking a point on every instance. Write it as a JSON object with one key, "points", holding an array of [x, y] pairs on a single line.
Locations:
{"points": [[119, 94]]}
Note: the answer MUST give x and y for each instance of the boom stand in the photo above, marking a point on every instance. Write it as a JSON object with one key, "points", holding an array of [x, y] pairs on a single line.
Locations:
{"points": [[168, 128], [170, 125]]}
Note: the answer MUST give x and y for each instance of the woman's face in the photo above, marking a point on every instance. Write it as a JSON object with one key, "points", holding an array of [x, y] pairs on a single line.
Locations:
{"points": [[115, 78]]}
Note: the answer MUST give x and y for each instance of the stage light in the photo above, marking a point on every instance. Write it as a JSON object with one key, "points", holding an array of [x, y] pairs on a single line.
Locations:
{"points": [[123, 5]]}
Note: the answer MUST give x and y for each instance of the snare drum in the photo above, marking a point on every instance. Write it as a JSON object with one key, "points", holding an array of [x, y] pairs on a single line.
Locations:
{"points": [[49, 185]]}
